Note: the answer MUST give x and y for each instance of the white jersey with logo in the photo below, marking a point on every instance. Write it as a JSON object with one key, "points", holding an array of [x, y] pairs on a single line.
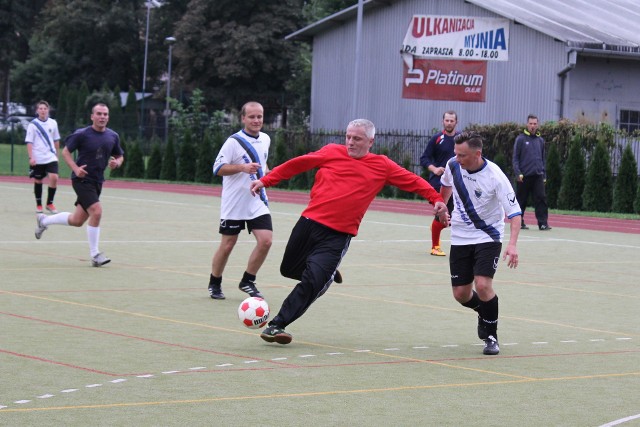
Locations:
{"points": [[43, 149], [480, 201], [237, 202]]}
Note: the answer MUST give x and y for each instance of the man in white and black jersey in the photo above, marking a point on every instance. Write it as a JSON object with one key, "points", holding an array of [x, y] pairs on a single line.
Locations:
{"points": [[242, 159], [482, 196], [43, 143]]}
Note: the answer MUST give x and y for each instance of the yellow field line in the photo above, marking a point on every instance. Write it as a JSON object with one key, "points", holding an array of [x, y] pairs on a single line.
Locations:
{"points": [[316, 393]]}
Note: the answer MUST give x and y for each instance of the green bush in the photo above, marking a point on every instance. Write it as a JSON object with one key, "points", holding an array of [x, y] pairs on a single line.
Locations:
{"points": [[218, 140], [554, 176], [596, 196], [570, 195], [501, 161], [154, 164], [186, 158], [626, 185], [636, 202], [401, 194], [168, 170], [278, 151], [134, 167], [205, 159], [302, 181]]}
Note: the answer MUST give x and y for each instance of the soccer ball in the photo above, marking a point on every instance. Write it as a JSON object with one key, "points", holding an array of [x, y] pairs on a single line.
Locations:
{"points": [[253, 312]]}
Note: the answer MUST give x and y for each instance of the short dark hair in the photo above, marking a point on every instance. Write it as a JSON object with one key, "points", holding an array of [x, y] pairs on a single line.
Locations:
{"points": [[453, 113], [532, 116], [473, 139], [98, 103]]}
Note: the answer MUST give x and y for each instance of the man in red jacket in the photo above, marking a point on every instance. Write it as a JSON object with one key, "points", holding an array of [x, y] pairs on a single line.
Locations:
{"points": [[347, 180]]}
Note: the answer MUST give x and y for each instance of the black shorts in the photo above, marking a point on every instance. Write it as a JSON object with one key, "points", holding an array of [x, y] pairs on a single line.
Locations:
{"points": [[231, 227], [467, 261], [88, 192], [40, 171]]}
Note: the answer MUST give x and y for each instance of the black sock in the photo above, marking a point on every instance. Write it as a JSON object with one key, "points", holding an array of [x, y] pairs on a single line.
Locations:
{"points": [[474, 302], [213, 280], [37, 190], [488, 312], [51, 192], [247, 277]]}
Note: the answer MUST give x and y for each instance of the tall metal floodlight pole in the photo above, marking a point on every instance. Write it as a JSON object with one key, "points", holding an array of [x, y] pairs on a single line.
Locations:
{"points": [[356, 69], [170, 41], [149, 4]]}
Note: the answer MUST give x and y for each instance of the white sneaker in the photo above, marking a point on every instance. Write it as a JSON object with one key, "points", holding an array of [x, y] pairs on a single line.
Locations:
{"points": [[99, 260], [39, 227]]}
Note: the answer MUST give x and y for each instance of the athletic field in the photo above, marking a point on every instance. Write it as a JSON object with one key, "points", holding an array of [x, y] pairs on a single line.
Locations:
{"points": [[140, 343]]}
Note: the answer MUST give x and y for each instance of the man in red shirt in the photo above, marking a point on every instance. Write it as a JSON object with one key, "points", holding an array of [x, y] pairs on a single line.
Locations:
{"points": [[347, 180]]}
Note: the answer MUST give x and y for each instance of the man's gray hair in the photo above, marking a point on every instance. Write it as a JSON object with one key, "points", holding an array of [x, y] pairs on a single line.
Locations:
{"points": [[369, 127]]}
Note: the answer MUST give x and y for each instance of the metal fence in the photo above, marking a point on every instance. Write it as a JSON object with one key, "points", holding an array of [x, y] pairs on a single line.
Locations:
{"points": [[405, 148]]}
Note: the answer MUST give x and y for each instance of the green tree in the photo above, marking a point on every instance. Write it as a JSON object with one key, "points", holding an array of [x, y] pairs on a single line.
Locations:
{"points": [[82, 110], [115, 111], [69, 120], [598, 186], [16, 26], [154, 164], [554, 175], [212, 36], [79, 40], [570, 195], [61, 107], [626, 185], [636, 202], [130, 114], [315, 10], [134, 167], [168, 171]]}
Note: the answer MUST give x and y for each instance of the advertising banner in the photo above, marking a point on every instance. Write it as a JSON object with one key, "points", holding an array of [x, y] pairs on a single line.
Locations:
{"points": [[446, 80], [456, 37]]}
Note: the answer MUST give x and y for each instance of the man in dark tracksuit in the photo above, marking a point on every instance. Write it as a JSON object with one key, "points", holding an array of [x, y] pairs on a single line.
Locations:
{"points": [[529, 167]]}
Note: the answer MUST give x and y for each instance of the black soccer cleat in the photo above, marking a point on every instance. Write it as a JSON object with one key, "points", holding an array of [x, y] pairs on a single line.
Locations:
{"points": [[337, 277], [215, 292], [491, 346], [250, 288], [276, 334]]}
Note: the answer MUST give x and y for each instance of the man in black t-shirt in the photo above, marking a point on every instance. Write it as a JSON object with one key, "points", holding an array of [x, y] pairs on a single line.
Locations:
{"points": [[98, 147]]}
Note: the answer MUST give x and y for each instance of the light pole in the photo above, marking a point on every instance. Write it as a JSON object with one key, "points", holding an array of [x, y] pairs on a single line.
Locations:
{"points": [[149, 4], [170, 41]]}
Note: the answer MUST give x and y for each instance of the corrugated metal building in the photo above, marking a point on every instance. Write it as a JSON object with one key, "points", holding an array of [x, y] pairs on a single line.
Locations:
{"points": [[578, 59]]}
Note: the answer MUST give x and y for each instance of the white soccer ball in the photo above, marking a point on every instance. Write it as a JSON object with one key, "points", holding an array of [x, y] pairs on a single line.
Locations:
{"points": [[253, 312]]}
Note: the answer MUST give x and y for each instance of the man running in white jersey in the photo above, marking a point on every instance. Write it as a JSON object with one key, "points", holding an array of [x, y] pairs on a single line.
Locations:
{"points": [[242, 159], [43, 143], [482, 195]]}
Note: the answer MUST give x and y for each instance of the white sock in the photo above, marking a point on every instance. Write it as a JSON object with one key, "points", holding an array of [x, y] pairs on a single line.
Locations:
{"points": [[93, 234], [61, 218]]}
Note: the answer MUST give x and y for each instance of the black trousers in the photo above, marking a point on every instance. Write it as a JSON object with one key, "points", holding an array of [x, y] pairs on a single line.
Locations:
{"points": [[312, 256], [533, 184]]}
